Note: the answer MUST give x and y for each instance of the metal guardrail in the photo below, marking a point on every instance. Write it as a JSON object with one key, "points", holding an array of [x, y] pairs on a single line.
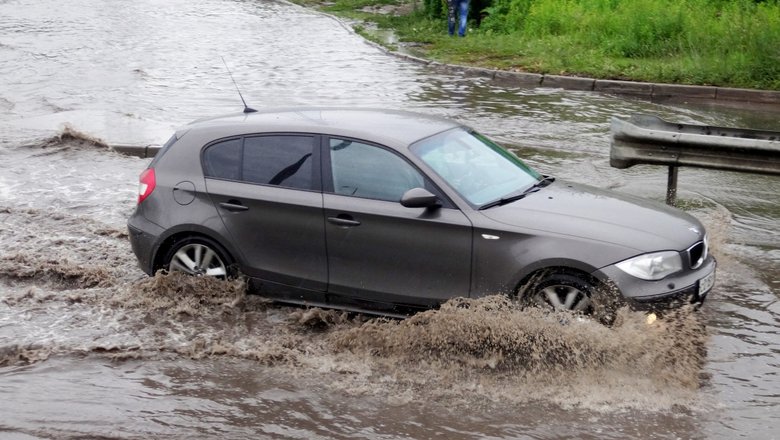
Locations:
{"points": [[646, 139]]}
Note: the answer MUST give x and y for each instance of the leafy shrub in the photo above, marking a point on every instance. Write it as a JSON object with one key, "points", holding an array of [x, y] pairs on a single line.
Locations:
{"points": [[435, 8]]}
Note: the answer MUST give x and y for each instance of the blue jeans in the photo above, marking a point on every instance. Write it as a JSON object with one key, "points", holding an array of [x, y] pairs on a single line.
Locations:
{"points": [[462, 7]]}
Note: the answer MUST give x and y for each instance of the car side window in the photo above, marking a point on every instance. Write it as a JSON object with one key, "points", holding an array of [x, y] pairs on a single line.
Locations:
{"points": [[223, 160], [363, 170], [279, 160], [269, 160]]}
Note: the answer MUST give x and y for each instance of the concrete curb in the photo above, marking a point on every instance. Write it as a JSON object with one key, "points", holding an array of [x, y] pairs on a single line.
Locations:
{"points": [[647, 90], [142, 151]]}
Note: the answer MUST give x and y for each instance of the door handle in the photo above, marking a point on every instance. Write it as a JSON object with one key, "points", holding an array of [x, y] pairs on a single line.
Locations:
{"points": [[234, 206], [343, 220]]}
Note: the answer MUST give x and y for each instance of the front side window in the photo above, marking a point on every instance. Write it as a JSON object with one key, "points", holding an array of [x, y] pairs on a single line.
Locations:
{"points": [[363, 170], [478, 169], [269, 160]]}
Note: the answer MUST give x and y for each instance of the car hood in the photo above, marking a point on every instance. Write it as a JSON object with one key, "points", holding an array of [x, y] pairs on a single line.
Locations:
{"points": [[582, 211]]}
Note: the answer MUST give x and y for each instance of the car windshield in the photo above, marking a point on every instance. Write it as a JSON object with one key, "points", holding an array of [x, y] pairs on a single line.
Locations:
{"points": [[477, 168]]}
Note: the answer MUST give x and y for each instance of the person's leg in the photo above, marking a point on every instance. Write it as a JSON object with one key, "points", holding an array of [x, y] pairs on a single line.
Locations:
{"points": [[451, 16], [464, 16]]}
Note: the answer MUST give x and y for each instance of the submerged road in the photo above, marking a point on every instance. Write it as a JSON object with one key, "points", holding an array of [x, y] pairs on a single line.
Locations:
{"points": [[90, 347]]}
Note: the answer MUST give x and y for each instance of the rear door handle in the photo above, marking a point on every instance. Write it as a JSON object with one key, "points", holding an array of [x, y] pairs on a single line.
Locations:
{"points": [[344, 220], [234, 206]]}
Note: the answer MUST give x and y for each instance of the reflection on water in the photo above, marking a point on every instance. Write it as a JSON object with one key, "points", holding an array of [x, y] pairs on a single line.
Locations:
{"points": [[90, 346]]}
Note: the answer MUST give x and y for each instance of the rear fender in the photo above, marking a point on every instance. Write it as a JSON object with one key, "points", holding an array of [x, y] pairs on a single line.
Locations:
{"points": [[172, 235]]}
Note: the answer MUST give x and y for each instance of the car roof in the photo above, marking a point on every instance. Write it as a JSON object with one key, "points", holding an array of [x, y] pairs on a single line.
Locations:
{"points": [[394, 128]]}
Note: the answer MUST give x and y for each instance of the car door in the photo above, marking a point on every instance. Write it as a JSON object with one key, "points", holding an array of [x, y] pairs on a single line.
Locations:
{"points": [[380, 251], [267, 190]]}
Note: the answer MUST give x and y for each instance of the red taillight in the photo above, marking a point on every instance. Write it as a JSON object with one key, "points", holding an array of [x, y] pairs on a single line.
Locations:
{"points": [[146, 184]]}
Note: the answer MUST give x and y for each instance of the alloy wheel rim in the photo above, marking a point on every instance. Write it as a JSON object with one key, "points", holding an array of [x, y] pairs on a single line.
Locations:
{"points": [[199, 260], [563, 297]]}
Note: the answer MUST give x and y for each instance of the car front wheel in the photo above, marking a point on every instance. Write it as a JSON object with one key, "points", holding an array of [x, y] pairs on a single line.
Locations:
{"points": [[572, 292], [560, 291]]}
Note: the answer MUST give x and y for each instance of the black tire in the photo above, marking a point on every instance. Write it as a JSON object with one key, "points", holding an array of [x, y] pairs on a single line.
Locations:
{"points": [[199, 256], [573, 292]]}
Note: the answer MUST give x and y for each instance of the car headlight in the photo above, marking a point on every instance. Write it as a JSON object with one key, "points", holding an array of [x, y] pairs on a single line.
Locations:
{"points": [[655, 266]]}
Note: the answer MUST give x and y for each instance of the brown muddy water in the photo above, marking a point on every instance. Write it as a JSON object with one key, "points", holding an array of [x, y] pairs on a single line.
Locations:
{"points": [[92, 348]]}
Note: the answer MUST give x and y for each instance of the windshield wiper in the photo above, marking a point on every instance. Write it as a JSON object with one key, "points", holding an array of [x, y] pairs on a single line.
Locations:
{"points": [[546, 180]]}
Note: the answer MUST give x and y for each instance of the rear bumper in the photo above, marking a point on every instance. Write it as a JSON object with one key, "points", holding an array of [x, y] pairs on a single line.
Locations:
{"points": [[143, 236]]}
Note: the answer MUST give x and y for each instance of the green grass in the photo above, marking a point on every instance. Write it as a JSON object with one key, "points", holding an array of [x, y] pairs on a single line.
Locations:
{"points": [[732, 43]]}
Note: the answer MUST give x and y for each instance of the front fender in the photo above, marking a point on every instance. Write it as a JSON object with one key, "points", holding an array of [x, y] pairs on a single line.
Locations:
{"points": [[501, 264]]}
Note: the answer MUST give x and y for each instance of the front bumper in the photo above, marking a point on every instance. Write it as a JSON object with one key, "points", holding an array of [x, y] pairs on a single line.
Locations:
{"points": [[686, 287]]}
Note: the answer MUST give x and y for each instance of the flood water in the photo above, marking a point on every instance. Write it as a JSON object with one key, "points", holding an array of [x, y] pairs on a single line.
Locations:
{"points": [[91, 347]]}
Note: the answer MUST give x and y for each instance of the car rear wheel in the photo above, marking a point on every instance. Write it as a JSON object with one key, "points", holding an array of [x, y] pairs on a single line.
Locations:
{"points": [[198, 256]]}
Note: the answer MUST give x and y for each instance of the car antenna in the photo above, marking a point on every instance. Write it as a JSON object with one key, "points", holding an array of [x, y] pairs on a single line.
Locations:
{"points": [[247, 109]]}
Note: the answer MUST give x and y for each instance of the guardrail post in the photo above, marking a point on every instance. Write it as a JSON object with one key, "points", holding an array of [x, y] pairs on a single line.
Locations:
{"points": [[671, 186]]}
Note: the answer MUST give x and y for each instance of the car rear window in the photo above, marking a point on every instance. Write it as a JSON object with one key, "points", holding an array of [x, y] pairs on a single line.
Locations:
{"points": [[223, 160], [280, 160]]}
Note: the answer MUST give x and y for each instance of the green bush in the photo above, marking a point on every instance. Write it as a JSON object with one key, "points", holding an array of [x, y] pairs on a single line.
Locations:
{"points": [[731, 41], [506, 16], [435, 8]]}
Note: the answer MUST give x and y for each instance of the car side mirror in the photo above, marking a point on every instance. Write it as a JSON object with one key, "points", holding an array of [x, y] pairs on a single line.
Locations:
{"points": [[420, 198]]}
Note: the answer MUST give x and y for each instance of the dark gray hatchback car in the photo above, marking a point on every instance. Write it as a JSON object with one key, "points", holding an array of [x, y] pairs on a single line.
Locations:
{"points": [[390, 211]]}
